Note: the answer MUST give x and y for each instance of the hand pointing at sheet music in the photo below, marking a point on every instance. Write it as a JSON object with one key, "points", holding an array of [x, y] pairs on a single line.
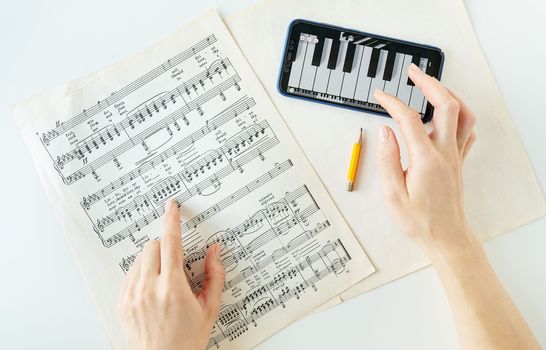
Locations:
{"points": [[157, 306], [426, 200]]}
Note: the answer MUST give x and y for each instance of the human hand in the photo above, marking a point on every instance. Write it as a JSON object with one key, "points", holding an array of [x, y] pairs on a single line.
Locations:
{"points": [[157, 306], [426, 199]]}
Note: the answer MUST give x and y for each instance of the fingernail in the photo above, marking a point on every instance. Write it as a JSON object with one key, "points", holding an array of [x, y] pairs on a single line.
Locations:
{"points": [[384, 134], [169, 205], [378, 92]]}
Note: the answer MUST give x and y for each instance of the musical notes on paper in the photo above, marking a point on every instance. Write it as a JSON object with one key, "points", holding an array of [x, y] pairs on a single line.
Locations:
{"points": [[198, 128]]}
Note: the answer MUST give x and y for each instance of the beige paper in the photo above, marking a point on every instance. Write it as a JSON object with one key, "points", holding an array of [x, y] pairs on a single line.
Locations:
{"points": [[241, 178], [500, 188]]}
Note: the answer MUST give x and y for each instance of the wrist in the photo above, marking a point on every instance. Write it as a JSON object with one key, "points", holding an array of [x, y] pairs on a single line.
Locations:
{"points": [[462, 266], [461, 249]]}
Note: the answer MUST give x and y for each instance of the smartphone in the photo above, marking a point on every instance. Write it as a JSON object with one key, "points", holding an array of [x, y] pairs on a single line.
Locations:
{"points": [[343, 67]]}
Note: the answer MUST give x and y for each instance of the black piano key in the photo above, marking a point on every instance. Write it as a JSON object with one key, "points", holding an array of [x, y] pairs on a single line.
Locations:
{"points": [[415, 60], [376, 43], [389, 66], [374, 60], [334, 51], [349, 58], [294, 50], [366, 41], [358, 38], [317, 55]]}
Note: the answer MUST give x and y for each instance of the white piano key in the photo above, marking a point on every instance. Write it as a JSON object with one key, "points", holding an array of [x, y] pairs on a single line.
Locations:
{"points": [[417, 98], [349, 82], [336, 77], [308, 72], [423, 62], [378, 82], [363, 81], [297, 65], [404, 90], [423, 65], [323, 73], [391, 87]]}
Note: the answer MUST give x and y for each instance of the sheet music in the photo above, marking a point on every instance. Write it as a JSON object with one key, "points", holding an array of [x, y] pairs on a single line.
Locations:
{"points": [[187, 119]]}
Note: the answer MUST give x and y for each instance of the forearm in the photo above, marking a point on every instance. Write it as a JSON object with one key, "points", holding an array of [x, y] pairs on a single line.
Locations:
{"points": [[483, 312], [426, 199]]}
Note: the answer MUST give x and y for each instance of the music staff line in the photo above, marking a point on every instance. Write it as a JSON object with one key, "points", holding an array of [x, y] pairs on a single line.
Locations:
{"points": [[172, 185], [226, 202], [192, 223], [250, 248], [98, 138], [129, 144], [275, 231], [237, 326], [233, 151], [222, 118], [267, 214], [237, 254], [126, 90], [215, 179], [260, 265]]}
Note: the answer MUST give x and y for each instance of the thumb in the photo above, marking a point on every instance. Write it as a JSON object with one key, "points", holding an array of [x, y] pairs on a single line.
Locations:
{"points": [[388, 157], [214, 281]]}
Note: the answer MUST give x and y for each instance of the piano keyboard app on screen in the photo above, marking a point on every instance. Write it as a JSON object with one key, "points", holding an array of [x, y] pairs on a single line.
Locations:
{"points": [[344, 67]]}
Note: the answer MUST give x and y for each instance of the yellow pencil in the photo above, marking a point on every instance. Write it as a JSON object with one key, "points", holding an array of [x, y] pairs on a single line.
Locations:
{"points": [[353, 166]]}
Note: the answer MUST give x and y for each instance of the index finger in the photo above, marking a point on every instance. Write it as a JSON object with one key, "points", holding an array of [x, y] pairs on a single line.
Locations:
{"points": [[171, 243], [410, 122]]}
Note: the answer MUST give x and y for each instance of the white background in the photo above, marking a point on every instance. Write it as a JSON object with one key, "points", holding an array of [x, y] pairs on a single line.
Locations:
{"points": [[44, 303]]}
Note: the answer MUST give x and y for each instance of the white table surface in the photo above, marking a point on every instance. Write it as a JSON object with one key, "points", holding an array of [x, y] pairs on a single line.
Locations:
{"points": [[44, 303]]}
